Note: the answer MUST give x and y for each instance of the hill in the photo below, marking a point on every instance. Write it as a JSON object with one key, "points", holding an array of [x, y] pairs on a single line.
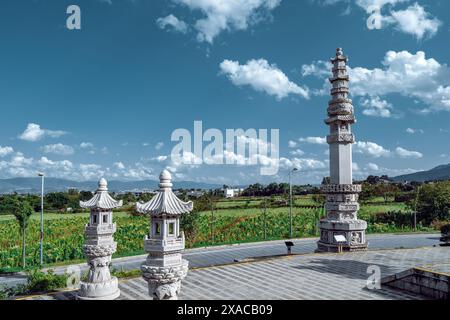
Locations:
{"points": [[33, 185], [438, 173]]}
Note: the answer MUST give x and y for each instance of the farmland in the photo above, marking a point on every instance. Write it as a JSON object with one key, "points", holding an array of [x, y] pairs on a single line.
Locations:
{"points": [[233, 221]]}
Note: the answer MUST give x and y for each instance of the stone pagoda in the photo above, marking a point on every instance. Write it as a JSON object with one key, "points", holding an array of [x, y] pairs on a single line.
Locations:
{"points": [[100, 246], [341, 229], [165, 268]]}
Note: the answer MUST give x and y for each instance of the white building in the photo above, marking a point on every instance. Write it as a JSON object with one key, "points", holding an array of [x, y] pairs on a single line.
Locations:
{"points": [[232, 193]]}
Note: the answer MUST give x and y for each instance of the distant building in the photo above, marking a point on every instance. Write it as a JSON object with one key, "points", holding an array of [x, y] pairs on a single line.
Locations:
{"points": [[232, 193], [195, 194], [136, 192]]}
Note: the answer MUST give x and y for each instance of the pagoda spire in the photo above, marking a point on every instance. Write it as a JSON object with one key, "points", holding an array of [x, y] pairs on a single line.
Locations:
{"points": [[341, 229]]}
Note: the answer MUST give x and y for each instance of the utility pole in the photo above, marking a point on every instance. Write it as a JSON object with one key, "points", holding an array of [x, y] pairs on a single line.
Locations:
{"points": [[212, 219], [290, 202], [415, 209], [40, 174]]}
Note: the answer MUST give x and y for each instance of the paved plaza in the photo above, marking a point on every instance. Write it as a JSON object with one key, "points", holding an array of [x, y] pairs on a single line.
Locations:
{"points": [[214, 256], [298, 277]]}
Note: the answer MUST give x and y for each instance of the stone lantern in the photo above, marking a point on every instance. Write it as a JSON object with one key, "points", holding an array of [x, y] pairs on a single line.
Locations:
{"points": [[341, 230], [165, 268], [99, 247]]}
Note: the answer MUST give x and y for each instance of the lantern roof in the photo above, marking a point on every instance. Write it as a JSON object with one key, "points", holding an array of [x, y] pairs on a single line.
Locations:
{"points": [[165, 201], [101, 199]]}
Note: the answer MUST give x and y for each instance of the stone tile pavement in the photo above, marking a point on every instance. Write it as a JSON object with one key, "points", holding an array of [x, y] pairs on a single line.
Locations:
{"points": [[298, 277]]}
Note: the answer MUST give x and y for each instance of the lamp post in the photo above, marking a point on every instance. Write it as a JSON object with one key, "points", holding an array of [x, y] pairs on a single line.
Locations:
{"points": [[290, 201], [415, 209], [40, 174]]}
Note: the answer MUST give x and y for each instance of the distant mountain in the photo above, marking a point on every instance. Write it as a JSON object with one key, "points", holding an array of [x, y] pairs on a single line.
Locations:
{"points": [[33, 185], [438, 173]]}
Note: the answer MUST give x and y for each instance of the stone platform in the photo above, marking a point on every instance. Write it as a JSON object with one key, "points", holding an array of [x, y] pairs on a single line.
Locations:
{"points": [[299, 277]]}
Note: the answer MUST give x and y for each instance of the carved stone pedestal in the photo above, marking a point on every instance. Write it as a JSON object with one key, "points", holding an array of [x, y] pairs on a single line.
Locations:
{"points": [[164, 283], [353, 231], [99, 285], [342, 220]]}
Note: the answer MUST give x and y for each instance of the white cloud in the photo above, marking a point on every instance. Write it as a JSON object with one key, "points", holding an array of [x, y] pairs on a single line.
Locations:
{"points": [[414, 131], [314, 140], [173, 22], [19, 160], [411, 75], [59, 149], [160, 158], [227, 15], [403, 153], [263, 77], [4, 151], [159, 145], [34, 132], [416, 21], [302, 163], [119, 165], [376, 107], [297, 152], [413, 20], [319, 69], [373, 167], [87, 145], [292, 144], [59, 167], [371, 149]]}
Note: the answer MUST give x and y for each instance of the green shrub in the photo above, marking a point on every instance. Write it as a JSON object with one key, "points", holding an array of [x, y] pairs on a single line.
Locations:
{"points": [[39, 281], [445, 230]]}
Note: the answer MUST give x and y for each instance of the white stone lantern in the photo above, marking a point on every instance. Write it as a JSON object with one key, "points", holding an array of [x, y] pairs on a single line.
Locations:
{"points": [[165, 268], [99, 247], [341, 230]]}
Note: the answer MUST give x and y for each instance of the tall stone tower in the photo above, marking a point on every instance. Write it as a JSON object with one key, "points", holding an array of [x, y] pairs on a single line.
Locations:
{"points": [[165, 267], [100, 246], [342, 195]]}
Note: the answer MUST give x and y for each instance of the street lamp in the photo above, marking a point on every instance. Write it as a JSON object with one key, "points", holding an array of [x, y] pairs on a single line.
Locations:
{"points": [[290, 200], [40, 174]]}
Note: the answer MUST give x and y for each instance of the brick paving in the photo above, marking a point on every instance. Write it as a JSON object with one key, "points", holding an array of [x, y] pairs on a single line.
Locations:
{"points": [[298, 277]]}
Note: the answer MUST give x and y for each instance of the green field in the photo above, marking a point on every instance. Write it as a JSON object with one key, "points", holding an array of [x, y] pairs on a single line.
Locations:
{"points": [[234, 221]]}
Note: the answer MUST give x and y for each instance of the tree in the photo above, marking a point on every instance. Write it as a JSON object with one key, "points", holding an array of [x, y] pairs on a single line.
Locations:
{"points": [[57, 200], [22, 211], [386, 190], [432, 202], [86, 195]]}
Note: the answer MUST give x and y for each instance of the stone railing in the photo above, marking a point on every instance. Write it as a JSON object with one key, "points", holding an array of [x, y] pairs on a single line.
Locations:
{"points": [[341, 188], [341, 138]]}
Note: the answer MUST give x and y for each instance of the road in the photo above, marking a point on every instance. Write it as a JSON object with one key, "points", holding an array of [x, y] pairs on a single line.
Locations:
{"points": [[213, 256]]}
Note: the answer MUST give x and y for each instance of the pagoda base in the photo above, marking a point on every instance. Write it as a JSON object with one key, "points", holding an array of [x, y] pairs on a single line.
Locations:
{"points": [[354, 232], [108, 290], [164, 283]]}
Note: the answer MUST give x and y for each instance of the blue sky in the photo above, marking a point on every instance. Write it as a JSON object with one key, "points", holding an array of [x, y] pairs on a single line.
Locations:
{"points": [[104, 100]]}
